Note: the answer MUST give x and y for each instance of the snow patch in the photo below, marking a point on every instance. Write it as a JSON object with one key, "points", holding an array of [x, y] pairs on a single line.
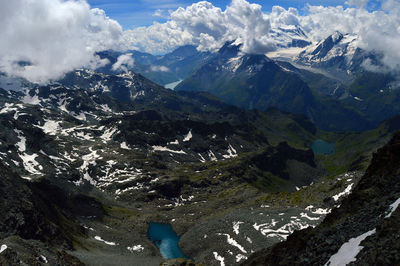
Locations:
{"points": [[98, 238], [44, 259], [176, 142], [202, 158], [219, 258], [22, 141], [393, 208], [105, 108], [231, 152], [108, 133], [235, 63], [305, 215], [8, 107], [124, 146], [318, 211], [88, 159], [188, 136], [2, 248], [137, 94], [240, 257], [50, 127], [269, 230], [28, 99], [160, 148], [349, 250], [137, 248], [80, 116], [83, 136], [30, 163], [233, 242], [344, 193], [236, 226], [212, 156], [62, 103]]}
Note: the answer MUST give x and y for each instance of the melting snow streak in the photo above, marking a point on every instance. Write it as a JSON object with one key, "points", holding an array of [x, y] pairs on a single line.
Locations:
{"points": [[349, 250]]}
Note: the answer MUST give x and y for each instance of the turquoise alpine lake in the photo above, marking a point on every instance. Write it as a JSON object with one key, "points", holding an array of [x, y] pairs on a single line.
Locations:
{"points": [[166, 240], [322, 147], [172, 85]]}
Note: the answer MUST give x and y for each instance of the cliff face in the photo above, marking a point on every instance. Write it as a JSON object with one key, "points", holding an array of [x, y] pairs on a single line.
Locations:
{"points": [[38, 221], [371, 208]]}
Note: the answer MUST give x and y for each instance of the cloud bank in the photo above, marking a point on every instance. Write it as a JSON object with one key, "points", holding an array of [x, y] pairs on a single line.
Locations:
{"points": [[208, 27], [377, 31], [43, 39], [205, 26]]}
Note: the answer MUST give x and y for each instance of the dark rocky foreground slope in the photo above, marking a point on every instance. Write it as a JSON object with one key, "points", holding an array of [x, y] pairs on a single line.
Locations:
{"points": [[117, 152], [369, 210], [37, 221]]}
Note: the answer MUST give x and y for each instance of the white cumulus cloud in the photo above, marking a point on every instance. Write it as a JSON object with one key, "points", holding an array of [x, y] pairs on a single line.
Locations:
{"points": [[43, 39], [377, 31], [209, 27], [123, 62], [206, 26], [52, 37]]}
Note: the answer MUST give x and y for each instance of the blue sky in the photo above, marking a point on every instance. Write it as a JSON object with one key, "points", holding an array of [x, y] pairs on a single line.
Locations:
{"points": [[134, 13]]}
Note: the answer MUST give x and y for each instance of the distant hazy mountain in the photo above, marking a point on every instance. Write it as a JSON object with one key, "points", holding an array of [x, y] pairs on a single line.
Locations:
{"points": [[255, 81], [249, 81], [165, 69], [12, 83]]}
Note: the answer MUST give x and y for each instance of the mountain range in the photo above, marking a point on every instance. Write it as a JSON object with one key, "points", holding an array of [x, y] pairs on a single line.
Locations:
{"points": [[163, 70], [252, 159]]}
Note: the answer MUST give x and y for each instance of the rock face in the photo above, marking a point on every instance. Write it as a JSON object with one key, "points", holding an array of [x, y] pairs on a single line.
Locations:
{"points": [[371, 208], [179, 262], [36, 217]]}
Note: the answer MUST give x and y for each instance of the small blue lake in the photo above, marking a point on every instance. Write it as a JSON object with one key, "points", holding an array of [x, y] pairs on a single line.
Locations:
{"points": [[322, 147], [172, 85], [166, 240]]}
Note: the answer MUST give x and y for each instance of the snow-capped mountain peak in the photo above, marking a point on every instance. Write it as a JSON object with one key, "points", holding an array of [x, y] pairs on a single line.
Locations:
{"points": [[336, 50], [289, 36]]}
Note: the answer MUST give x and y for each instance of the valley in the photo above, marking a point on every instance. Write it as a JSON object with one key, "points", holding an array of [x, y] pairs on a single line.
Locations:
{"points": [[273, 150], [131, 153]]}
